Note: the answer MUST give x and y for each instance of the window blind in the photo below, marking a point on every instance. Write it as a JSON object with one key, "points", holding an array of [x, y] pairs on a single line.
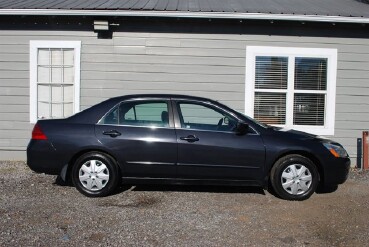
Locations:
{"points": [[270, 108], [271, 72], [309, 109], [310, 73]]}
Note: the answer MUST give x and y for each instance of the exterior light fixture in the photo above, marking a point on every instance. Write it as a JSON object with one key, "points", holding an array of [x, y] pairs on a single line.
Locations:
{"points": [[101, 25]]}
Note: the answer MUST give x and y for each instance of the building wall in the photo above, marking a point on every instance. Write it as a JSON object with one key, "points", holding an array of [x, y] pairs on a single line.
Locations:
{"points": [[200, 64]]}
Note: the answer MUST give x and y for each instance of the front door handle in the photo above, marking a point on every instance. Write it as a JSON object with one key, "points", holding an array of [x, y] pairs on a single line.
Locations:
{"points": [[112, 133], [190, 138]]}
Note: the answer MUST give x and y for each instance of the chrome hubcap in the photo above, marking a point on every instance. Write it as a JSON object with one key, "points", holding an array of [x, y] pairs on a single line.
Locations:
{"points": [[296, 179], [94, 175]]}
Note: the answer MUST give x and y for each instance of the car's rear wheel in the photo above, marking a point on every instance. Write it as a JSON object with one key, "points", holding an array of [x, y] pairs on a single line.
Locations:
{"points": [[95, 174], [294, 177]]}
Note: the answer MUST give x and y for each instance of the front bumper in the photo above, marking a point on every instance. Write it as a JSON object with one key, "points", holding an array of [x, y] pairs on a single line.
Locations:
{"points": [[336, 171]]}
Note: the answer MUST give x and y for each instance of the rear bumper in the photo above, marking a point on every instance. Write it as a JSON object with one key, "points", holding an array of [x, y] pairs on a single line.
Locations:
{"points": [[40, 153], [337, 171]]}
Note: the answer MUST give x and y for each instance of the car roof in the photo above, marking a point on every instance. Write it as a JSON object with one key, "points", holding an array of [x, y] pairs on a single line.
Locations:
{"points": [[95, 112], [171, 96]]}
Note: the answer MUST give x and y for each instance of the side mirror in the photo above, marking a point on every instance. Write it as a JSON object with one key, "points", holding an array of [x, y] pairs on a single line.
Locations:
{"points": [[242, 128]]}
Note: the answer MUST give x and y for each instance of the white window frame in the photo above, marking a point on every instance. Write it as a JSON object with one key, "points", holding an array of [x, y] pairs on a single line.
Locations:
{"points": [[291, 53], [38, 44]]}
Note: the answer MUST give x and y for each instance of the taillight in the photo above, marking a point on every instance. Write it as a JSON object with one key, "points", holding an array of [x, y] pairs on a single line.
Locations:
{"points": [[37, 133]]}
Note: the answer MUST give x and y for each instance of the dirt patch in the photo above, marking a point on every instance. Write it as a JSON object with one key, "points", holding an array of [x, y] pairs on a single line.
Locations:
{"points": [[97, 237], [140, 201]]}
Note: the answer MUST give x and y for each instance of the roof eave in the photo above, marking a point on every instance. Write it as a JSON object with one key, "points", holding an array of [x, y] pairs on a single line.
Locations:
{"points": [[182, 14]]}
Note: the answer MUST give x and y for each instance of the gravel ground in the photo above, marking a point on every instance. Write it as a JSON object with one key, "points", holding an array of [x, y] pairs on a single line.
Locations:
{"points": [[35, 211]]}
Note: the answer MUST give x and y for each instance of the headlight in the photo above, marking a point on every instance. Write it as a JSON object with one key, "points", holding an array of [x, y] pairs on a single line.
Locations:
{"points": [[336, 151]]}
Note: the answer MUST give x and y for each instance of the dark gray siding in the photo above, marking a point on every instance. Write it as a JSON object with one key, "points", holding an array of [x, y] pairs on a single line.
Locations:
{"points": [[210, 65]]}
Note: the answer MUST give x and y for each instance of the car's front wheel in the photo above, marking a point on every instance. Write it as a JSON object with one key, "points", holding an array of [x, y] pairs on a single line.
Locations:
{"points": [[294, 177], [95, 174]]}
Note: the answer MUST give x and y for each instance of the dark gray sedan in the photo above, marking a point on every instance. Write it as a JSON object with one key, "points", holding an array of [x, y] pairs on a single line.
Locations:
{"points": [[177, 139]]}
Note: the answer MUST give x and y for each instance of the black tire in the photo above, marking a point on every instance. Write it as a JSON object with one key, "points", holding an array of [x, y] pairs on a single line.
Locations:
{"points": [[297, 187], [101, 181]]}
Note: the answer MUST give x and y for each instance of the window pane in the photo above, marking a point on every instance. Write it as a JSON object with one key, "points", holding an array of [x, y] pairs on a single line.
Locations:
{"points": [[270, 108], [202, 117], [144, 114], [56, 75], [43, 110], [68, 93], [43, 74], [68, 57], [56, 94], [56, 57], [68, 109], [56, 110], [43, 57], [309, 109], [111, 117], [310, 73], [68, 75], [271, 72], [43, 92], [150, 111], [199, 114], [130, 115]]}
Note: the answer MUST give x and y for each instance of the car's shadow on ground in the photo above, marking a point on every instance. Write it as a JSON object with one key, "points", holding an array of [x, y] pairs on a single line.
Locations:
{"points": [[60, 182], [196, 188], [193, 188], [327, 189], [178, 188]]}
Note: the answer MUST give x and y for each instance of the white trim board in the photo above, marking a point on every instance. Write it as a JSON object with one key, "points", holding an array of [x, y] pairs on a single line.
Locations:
{"points": [[34, 46], [292, 52]]}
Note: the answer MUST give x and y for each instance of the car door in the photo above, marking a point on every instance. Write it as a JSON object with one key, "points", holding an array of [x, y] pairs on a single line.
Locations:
{"points": [[209, 148], [140, 134]]}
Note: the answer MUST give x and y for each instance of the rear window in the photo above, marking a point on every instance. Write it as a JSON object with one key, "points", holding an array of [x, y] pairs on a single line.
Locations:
{"points": [[142, 113]]}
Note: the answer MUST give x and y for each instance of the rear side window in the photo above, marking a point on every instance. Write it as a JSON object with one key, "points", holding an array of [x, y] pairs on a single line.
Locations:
{"points": [[142, 113]]}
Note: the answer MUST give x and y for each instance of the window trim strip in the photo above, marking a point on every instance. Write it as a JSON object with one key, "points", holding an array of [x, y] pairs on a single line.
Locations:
{"points": [[52, 44], [292, 52]]}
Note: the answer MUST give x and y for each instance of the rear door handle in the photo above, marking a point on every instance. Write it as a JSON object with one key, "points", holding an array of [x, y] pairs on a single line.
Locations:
{"points": [[190, 138], [112, 133]]}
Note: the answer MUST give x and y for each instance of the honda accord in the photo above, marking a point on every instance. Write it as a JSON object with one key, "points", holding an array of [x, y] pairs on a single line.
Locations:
{"points": [[177, 139]]}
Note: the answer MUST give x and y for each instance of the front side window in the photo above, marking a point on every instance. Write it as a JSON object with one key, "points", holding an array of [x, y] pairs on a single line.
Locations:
{"points": [[292, 87], [54, 79], [142, 113], [203, 117]]}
